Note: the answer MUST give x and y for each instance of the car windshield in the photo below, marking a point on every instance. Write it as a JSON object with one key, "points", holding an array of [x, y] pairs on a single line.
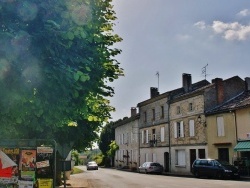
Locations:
{"points": [[92, 163]]}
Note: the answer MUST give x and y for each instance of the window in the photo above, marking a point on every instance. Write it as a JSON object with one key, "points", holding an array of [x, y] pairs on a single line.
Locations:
{"points": [[145, 116], [162, 134], [191, 128], [162, 111], [153, 114], [178, 129], [201, 153], [220, 126], [178, 110], [153, 135], [190, 107], [154, 157], [180, 157]]}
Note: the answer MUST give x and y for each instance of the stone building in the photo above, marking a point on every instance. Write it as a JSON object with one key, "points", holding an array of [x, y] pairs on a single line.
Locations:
{"points": [[126, 136], [188, 126]]}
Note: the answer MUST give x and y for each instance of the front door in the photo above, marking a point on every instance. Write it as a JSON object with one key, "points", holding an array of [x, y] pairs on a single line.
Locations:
{"points": [[192, 157], [166, 161]]}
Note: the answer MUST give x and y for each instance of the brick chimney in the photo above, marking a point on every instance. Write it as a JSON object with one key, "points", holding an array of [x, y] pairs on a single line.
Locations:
{"points": [[247, 83], [133, 111], [219, 89], [187, 82], [153, 92]]}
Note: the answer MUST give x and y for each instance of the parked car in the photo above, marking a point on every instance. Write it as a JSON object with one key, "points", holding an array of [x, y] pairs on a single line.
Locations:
{"points": [[92, 165], [214, 168], [151, 167]]}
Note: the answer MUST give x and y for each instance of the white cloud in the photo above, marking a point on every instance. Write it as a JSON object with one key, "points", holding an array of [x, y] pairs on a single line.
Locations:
{"points": [[232, 31], [200, 25], [244, 13], [183, 37]]}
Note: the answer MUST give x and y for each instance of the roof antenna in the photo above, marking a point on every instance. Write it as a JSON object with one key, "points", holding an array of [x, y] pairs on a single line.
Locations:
{"points": [[204, 71], [158, 75]]}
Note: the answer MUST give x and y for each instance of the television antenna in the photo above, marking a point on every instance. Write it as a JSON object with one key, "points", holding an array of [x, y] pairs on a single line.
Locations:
{"points": [[158, 76], [204, 71]]}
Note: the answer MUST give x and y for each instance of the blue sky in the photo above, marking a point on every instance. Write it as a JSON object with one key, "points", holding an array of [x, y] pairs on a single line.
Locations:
{"points": [[174, 37]]}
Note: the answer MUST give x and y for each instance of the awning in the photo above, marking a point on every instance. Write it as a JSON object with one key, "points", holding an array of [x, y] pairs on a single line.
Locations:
{"points": [[242, 146]]}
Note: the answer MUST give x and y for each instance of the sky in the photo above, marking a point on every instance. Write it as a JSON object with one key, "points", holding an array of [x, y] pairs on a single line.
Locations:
{"points": [[172, 37]]}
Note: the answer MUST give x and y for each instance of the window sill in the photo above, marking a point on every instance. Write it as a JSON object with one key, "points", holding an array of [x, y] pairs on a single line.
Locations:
{"points": [[180, 166]]}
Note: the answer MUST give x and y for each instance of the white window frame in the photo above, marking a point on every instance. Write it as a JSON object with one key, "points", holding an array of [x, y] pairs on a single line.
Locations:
{"points": [[178, 129], [220, 126], [191, 128]]}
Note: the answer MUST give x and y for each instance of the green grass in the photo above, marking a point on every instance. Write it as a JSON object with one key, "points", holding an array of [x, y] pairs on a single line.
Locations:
{"points": [[76, 170]]}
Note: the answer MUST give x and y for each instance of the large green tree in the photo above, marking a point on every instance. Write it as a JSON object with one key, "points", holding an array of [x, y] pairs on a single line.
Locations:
{"points": [[56, 60]]}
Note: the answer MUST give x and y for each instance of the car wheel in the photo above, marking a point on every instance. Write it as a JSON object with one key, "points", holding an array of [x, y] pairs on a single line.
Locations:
{"points": [[196, 174], [219, 175]]}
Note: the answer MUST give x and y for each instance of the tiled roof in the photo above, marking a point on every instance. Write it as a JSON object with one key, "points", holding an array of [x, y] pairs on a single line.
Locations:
{"points": [[240, 101]]}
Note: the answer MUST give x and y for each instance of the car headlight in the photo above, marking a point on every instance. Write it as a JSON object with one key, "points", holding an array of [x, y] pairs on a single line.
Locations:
{"points": [[228, 170]]}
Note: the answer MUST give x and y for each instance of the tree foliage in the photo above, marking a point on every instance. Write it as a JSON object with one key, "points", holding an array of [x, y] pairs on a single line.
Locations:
{"points": [[113, 147], [56, 60], [106, 137]]}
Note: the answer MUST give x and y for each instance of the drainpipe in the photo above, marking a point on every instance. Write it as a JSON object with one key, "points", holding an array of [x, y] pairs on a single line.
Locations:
{"points": [[236, 130], [169, 135]]}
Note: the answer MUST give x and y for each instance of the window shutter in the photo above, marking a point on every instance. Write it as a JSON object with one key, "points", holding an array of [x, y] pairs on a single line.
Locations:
{"points": [[142, 137], [162, 134], [182, 129], [175, 129], [220, 126], [146, 136], [191, 128]]}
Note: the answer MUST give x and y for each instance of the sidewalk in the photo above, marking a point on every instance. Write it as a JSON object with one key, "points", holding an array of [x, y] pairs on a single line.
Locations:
{"points": [[76, 181]]}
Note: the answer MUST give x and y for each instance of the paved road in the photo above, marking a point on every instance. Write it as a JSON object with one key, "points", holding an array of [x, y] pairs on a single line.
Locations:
{"points": [[112, 178]]}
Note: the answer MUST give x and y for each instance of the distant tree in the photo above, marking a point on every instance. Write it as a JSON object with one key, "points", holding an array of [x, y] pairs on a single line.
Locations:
{"points": [[56, 60], [106, 137]]}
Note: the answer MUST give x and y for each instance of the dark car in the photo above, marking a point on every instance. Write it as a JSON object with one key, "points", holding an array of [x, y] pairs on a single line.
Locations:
{"points": [[92, 165], [151, 167], [214, 168]]}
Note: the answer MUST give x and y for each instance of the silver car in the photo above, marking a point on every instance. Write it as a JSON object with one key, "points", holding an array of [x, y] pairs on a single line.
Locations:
{"points": [[92, 165], [151, 167]]}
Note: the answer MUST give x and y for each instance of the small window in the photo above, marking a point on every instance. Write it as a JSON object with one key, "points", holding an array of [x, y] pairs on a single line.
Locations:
{"points": [[190, 107], [153, 114], [178, 110], [162, 111], [145, 116]]}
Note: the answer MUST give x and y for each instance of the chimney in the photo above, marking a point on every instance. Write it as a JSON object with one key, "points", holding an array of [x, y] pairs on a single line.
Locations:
{"points": [[187, 82], [219, 89], [247, 83], [133, 111], [153, 92]]}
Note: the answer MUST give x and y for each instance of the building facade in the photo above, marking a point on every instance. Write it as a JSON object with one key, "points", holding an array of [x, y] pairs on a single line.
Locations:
{"points": [[127, 138]]}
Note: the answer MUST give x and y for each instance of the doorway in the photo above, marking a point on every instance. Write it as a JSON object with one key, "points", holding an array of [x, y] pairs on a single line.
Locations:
{"points": [[166, 161]]}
